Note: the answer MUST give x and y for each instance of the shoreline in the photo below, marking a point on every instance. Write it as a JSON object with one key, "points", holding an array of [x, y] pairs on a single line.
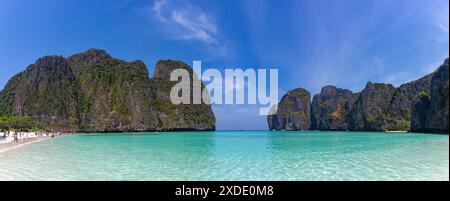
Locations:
{"points": [[15, 145]]}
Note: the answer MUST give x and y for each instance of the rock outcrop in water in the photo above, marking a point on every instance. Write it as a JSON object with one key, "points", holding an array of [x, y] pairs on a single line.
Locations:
{"points": [[93, 92], [418, 106], [330, 108], [294, 112], [430, 111]]}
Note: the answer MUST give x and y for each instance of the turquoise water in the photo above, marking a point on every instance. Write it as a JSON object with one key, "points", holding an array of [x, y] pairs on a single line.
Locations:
{"points": [[243, 155]]}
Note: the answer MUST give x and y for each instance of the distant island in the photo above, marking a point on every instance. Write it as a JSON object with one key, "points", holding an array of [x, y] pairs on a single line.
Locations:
{"points": [[418, 106], [94, 92]]}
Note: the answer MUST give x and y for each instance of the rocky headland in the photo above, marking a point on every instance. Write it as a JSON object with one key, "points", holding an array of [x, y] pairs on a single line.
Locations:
{"points": [[418, 106], [293, 112], [94, 92]]}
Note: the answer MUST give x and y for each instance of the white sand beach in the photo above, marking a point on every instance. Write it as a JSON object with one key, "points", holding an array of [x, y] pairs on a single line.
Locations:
{"points": [[8, 142]]}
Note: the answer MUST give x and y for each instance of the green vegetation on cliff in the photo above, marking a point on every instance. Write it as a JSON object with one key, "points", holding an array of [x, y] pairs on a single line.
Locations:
{"points": [[94, 92], [17, 123], [420, 106]]}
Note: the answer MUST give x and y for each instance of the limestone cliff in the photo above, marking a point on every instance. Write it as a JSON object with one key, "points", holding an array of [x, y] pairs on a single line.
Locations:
{"points": [[430, 111], [294, 111], [94, 92], [330, 108]]}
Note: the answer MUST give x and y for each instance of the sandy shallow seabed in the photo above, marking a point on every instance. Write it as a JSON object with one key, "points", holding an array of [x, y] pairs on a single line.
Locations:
{"points": [[14, 145], [231, 156]]}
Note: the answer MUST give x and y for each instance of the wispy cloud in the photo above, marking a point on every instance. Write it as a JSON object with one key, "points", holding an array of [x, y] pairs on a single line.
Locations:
{"points": [[186, 22], [337, 59], [157, 9], [338, 42], [199, 27], [348, 55]]}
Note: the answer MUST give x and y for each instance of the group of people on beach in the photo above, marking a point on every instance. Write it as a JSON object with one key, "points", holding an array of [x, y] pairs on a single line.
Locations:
{"points": [[9, 135], [12, 136]]}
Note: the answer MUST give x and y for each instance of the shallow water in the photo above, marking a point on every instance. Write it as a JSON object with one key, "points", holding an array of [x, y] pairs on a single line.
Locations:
{"points": [[240, 155]]}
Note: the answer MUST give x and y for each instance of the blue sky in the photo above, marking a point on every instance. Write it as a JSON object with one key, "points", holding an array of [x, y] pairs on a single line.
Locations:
{"points": [[312, 42]]}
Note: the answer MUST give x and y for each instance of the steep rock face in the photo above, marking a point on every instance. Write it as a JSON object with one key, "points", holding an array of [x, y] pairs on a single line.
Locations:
{"points": [[430, 113], [420, 112], [374, 109], [330, 108], [94, 92], [116, 93], [294, 112], [414, 88], [420, 106], [182, 116], [8, 94], [47, 90], [382, 107], [408, 92], [439, 99]]}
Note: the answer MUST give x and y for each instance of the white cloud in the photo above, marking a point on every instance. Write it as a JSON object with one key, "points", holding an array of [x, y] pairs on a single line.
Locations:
{"points": [[157, 9], [186, 22], [198, 27]]}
